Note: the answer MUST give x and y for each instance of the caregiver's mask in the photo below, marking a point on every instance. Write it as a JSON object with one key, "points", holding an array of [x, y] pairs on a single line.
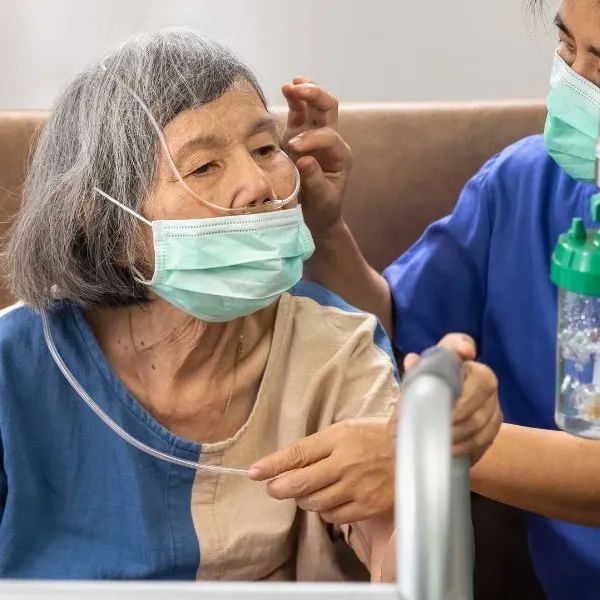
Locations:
{"points": [[572, 124]]}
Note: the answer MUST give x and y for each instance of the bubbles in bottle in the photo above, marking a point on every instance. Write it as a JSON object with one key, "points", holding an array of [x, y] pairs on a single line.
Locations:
{"points": [[578, 405]]}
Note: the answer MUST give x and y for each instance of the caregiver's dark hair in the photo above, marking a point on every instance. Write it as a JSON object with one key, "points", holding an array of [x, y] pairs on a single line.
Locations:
{"points": [[68, 242]]}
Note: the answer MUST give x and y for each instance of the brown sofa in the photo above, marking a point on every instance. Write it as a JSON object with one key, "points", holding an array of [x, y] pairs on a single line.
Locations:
{"points": [[410, 163]]}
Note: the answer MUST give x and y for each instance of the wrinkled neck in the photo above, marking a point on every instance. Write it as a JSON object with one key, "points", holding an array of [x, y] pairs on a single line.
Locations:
{"points": [[159, 335], [163, 336], [199, 380]]}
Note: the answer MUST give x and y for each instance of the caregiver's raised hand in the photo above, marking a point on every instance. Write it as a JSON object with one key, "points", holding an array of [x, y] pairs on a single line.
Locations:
{"points": [[323, 158]]}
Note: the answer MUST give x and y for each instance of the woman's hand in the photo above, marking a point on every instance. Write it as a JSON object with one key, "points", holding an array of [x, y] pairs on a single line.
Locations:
{"points": [[344, 472], [323, 158]]}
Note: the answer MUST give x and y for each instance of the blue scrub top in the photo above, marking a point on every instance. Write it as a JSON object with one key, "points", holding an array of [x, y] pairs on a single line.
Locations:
{"points": [[484, 271]]}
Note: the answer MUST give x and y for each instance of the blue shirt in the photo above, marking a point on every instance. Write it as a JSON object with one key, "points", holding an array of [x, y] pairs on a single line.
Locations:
{"points": [[485, 271], [78, 502]]}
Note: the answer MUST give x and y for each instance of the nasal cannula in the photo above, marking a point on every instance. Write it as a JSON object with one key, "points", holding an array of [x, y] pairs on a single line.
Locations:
{"points": [[274, 204], [117, 428]]}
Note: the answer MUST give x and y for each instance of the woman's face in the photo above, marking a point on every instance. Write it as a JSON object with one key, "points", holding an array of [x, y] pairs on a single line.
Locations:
{"points": [[227, 152]]}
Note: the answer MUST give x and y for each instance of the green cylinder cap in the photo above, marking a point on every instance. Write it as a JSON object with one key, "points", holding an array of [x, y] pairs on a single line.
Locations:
{"points": [[576, 258]]}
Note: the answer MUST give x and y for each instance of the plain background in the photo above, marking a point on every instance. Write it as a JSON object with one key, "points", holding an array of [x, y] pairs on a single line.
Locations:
{"points": [[362, 50]]}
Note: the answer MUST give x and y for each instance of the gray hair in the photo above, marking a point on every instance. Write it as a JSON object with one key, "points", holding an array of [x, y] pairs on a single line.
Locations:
{"points": [[68, 243]]}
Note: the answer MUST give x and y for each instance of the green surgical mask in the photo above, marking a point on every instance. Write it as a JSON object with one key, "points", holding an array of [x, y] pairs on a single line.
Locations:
{"points": [[224, 268], [572, 123]]}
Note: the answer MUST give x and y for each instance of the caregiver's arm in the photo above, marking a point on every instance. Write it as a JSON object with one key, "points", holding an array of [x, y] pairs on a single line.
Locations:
{"points": [[339, 265], [324, 161], [546, 472], [438, 286]]}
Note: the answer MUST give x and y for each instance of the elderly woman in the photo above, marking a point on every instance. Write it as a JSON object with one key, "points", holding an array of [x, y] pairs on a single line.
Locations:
{"points": [[157, 255]]}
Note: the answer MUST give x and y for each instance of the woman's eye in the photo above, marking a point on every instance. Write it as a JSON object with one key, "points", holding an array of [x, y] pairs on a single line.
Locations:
{"points": [[204, 169], [264, 151]]}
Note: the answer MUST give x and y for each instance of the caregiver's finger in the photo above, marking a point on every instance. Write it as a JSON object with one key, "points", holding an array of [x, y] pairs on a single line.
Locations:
{"points": [[469, 427], [302, 482], [480, 387], [302, 79], [296, 107], [410, 360], [462, 344], [326, 499], [300, 454], [323, 104], [321, 141], [477, 445], [342, 515]]}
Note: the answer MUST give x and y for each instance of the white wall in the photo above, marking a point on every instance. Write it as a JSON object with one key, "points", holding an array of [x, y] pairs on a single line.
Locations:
{"points": [[363, 50]]}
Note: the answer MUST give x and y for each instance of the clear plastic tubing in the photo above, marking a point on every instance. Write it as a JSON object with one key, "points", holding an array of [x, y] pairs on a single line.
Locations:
{"points": [[182, 462]]}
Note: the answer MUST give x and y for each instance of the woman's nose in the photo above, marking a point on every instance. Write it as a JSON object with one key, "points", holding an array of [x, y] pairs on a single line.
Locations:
{"points": [[253, 186]]}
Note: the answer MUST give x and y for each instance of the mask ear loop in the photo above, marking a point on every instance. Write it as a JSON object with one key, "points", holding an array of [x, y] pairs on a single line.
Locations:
{"points": [[271, 205], [136, 273], [121, 205]]}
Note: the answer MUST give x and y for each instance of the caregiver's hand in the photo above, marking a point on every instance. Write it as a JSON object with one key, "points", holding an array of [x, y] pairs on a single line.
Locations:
{"points": [[344, 472], [323, 158], [477, 417]]}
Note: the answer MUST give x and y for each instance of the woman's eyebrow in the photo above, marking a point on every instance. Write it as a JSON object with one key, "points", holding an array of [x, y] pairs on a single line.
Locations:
{"points": [[199, 141], [267, 123], [211, 140]]}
